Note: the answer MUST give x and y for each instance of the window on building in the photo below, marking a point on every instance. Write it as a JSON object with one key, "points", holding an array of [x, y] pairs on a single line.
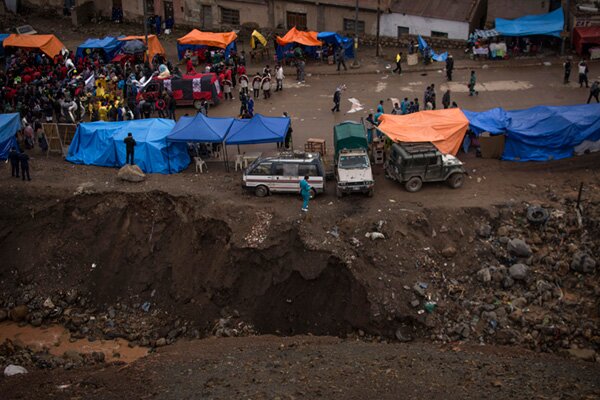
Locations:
{"points": [[207, 17], [229, 16], [149, 5], [403, 30], [439, 34], [297, 20], [349, 26]]}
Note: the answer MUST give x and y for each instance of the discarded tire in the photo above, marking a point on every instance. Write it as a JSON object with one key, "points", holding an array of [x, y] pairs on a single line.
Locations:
{"points": [[537, 215]]}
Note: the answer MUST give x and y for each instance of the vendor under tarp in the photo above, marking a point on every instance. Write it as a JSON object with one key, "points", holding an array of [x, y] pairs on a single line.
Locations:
{"points": [[306, 39], [545, 24], [49, 44], [336, 40], [586, 37], [9, 125], [109, 45], [542, 133], [154, 46], [101, 143], [196, 40], [444, 128]]}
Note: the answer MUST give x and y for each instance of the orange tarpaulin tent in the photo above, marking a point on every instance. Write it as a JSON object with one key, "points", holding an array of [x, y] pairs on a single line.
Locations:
{"points": [[211, 39], [444, 128], [49, 44], [154, 46], [295, 36]]}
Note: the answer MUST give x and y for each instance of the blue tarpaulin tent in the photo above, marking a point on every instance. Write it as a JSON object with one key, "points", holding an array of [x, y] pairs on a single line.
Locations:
{"points": [[259, 129], [436, 57], [544, 24], [338, 40], [110, 45], [2, 37], [101, 143], [541, 133], [200, 129], [9, 125]]}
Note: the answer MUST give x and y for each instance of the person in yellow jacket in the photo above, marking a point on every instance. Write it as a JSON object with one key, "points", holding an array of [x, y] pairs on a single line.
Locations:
{"points": [[398, 63], [103, 111]]}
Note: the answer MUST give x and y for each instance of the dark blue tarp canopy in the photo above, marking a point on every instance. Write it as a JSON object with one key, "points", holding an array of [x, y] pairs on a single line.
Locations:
{"points": [[259, 129], [544, 24], [541, 133], [337, 41], [110, 45], [435, 56], [9, 125], [200, 129], [2, 37], [493, 121], [101, 143]]}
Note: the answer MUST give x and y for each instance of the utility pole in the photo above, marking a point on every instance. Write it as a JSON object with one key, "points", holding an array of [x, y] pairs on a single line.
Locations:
{"points": [[356, 64], [144, 3], [377, 36]]}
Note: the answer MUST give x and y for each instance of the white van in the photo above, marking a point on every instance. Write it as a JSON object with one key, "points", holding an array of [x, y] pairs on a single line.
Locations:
{"points": [[283, 173]]}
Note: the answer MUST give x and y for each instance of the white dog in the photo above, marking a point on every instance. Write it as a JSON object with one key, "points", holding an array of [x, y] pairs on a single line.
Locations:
{"points": [[200, 165]]}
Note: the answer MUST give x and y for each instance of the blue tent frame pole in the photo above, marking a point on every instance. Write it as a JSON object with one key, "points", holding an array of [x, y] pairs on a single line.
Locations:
{"points": [[168, 157]]}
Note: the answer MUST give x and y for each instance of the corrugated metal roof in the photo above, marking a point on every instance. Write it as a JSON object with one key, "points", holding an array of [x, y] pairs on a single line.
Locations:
{"points": [[454, 10]]}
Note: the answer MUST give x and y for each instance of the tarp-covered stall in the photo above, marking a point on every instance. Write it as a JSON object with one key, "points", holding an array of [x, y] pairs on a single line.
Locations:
{"points": [[444, 128], [110, 45], [306, 39], [544, 24], [200, 129], [542, 133], [338, 41], [9, 125], [154, 45], [196, 39], [583, 37], [49, 44], [101, 143], [259, 129]]}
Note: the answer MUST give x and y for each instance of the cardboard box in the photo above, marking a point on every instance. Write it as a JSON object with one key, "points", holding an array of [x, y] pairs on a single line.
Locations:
{"points": [[491, 146]]}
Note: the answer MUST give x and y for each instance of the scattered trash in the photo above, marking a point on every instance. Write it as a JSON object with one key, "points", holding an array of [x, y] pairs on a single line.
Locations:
{"points": [[430, 306], [547, 63], [48, 303], [392, 201], [375, 235], [334, 232], [93, 265], [12, 370], [146, 306], [356, 106], [537, 215], [485, 66]]}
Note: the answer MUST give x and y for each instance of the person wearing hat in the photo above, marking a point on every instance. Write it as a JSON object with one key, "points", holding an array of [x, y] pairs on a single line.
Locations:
{"points": [[129, 146]]}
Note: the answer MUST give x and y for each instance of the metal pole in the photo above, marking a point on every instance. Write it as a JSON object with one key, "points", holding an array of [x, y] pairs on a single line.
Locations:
{"points": [[356, 63], [377, 36], [146, 26]]}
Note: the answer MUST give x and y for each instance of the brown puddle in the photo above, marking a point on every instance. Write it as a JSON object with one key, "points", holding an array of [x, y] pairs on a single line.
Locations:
{"points": [[56, 339]]}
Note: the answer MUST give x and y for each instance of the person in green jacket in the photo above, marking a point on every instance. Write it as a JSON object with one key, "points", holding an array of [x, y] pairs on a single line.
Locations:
{"points": [[305, 192], [472, 82]]}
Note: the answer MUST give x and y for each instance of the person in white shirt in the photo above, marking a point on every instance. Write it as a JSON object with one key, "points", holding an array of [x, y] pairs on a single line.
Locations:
{"points": [[583, 74], [279, 77]]}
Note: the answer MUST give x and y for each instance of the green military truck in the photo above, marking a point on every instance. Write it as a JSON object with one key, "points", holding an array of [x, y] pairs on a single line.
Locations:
{"points": [[351, 158], [415, 163]]}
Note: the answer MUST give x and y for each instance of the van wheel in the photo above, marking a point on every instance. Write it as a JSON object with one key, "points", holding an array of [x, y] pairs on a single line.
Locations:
{"points": [[197, 104], [414, 184], [261, 191], [456, 180]]}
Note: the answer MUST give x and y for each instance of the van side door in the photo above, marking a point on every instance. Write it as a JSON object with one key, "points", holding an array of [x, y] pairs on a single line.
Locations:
{"points": [[285, 176]]}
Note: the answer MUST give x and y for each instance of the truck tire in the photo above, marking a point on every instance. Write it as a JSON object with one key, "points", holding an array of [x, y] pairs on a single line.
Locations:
{"points": [[456, 180], [414, 184], [261, 191], [339, 193], [371, 192]]}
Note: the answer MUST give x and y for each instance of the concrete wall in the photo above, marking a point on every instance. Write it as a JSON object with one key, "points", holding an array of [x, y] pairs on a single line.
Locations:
{"points": [[511, 9], [422, 26]]}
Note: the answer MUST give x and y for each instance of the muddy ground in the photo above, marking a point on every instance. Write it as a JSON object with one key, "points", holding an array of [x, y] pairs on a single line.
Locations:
{"points": [[192, 256]]}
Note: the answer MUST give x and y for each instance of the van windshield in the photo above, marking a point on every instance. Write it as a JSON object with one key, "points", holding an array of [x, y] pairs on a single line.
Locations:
{"points": [[353, 162]]}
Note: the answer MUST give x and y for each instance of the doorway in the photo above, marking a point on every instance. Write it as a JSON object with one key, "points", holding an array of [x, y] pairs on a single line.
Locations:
{"points": [[169, 14]]}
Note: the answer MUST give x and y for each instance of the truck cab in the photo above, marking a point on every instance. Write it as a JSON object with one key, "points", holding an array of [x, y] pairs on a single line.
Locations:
{"points": [[415, 163], [352, 164]]}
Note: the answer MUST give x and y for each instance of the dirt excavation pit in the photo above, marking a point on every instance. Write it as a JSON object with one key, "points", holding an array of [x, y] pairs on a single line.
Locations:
{"points": [[150, 268]]}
